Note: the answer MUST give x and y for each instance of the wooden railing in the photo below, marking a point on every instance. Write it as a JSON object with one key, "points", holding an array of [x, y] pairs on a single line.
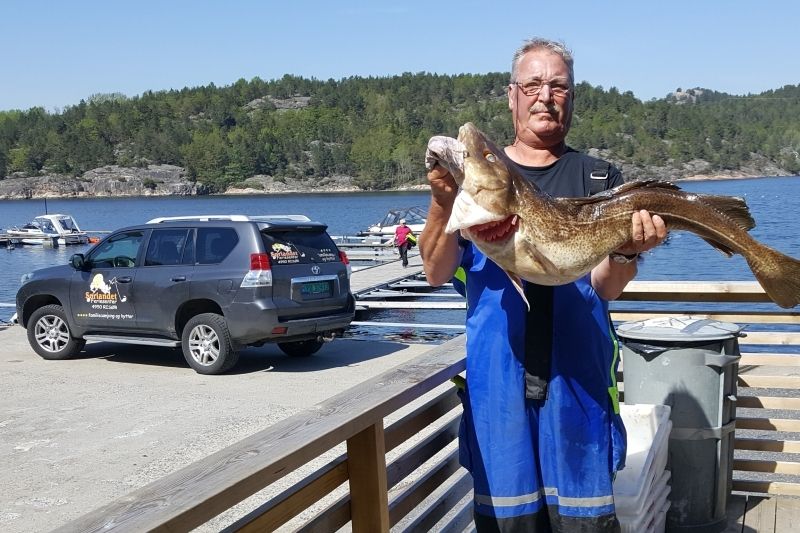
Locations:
{"points": [[768, 382], [398, 467], [197, 493]]}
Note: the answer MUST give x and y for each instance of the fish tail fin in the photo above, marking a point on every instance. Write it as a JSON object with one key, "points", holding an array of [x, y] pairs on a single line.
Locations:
{"points": [[778, 274], [733, 207]]}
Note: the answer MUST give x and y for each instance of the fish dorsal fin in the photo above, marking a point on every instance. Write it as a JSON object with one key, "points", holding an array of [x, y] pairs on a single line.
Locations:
{"points": [[620, 189], [517, 282], [733, 207]]}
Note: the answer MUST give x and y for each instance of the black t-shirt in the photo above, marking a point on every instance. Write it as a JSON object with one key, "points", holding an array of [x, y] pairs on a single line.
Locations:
{"points": [[570, 176], [574, 175]]}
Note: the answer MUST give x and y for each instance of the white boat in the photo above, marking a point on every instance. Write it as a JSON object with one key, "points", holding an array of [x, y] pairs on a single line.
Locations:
{"points": [[53, 228], [414, 216]]}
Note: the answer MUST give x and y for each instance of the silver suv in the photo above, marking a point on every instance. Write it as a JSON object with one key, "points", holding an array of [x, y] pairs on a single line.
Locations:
{"points": [[210, 284]]}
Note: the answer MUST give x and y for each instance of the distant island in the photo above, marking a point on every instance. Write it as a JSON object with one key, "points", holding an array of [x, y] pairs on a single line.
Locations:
{"points": [[367, 134], [167, 180]]}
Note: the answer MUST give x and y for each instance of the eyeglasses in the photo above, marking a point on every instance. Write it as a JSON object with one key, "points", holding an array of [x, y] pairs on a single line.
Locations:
{"points": [[558, 88]]}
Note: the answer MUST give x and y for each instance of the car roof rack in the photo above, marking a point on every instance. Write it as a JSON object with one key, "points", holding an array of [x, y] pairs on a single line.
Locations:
{"points": [[232, 218]]}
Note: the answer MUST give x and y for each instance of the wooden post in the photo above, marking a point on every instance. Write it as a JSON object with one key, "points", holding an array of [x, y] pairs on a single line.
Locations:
{"points": [[369, 498]]}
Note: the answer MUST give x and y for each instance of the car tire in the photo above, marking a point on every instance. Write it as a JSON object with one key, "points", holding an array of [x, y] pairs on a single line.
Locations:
{"points": [[206, 344], [300, 348], [49, 334]]}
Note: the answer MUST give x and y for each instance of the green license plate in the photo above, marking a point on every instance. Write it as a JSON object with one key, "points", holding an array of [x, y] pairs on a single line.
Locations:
{"points": [[316, 289]]}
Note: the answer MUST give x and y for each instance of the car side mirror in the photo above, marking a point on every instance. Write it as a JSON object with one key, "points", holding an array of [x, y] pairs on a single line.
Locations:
{"points": [[77, 261]]}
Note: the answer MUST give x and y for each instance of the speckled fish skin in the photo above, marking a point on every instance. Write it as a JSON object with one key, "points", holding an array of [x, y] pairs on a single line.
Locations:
{"points": [[558, 240]]}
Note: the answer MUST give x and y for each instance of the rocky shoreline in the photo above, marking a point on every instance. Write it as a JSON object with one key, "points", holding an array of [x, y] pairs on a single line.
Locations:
{"points": [[170, 180]]}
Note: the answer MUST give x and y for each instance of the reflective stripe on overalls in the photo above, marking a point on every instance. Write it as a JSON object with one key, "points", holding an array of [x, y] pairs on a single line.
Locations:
{"points": [[523, 454]]}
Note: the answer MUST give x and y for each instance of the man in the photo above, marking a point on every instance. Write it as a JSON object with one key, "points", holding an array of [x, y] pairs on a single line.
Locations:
{"points": [[541, 431], [402, 236]]}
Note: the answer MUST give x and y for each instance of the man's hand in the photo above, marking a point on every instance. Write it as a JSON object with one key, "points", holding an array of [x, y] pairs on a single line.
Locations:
{"points": [[647, 232], [443, 186]]}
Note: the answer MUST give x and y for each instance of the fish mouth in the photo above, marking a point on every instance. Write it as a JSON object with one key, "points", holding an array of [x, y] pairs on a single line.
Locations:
{"points": [[495, 231]]}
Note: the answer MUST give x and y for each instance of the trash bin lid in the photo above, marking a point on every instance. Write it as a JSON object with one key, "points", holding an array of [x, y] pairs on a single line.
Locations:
{"points": [[678, 328]]}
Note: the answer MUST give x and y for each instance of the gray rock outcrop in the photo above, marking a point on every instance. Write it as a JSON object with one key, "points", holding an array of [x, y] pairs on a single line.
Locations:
{"points": [[154, 180]]}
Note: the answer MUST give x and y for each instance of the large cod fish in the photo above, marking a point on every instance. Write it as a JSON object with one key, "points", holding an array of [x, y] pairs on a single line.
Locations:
{"points": [[553, 241]]}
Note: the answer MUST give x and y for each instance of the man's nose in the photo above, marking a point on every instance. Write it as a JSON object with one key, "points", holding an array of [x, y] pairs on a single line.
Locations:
{"points": [[544, 93]]}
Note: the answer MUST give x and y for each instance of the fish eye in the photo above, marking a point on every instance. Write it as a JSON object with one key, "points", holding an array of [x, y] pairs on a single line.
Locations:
{"points": [[490, 157]]}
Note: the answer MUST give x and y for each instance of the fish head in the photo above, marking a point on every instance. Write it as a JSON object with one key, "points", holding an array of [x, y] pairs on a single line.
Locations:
{"points": [[484, 207]]}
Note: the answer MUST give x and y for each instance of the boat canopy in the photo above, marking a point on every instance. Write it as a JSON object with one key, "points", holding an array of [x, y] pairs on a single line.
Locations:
{"points": [[56, 224], [412, 215]]}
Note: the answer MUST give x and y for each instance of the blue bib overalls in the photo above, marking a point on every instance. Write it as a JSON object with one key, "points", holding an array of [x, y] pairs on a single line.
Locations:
{"points": [[539, 465]]}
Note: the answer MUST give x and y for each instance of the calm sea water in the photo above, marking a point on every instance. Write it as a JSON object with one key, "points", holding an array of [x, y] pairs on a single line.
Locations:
{"points": [[774, 203]]}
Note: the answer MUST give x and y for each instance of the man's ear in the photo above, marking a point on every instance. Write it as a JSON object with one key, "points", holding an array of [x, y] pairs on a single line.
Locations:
{"points": [[510, 100]]}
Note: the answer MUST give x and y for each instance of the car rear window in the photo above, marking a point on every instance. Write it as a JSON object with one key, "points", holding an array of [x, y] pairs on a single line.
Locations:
{"points": [[214, 244], [292, 247], [166, 247]]}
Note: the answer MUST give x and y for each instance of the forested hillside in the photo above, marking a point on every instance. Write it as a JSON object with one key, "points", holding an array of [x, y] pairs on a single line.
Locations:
{"points": [[375, 129]]}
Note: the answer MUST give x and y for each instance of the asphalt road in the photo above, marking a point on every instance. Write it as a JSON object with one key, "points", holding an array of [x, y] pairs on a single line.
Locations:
{"points": [[77, 434]]}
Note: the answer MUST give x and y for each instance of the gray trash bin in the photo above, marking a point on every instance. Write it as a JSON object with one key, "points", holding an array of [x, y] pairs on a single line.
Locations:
{"points": [[690, 364]]}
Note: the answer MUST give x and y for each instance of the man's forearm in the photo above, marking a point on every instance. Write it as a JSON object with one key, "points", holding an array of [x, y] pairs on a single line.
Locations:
{"points": [[609, 278], [440, 251]]}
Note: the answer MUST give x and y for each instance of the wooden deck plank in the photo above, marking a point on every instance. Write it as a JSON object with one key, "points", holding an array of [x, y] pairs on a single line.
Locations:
{"points": [[768, 424], [769, 382], [787, 515], [778, 488], [760, 515], [772, 359], [694, 291], [752, 317], [777, 467], [768, 402], [737, 504], [768, 445]]}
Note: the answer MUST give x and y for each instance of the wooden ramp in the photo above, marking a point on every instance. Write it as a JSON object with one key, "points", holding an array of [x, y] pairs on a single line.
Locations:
{"points": [[380, 276]]}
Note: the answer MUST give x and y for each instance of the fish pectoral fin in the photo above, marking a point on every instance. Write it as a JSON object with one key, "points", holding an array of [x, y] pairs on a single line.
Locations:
{"points": [[727, 251], [517, 282]]}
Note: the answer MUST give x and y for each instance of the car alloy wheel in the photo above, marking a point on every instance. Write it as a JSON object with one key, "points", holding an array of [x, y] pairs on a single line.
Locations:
{"points": [[51, 333], [207, 345], [204, 345]]}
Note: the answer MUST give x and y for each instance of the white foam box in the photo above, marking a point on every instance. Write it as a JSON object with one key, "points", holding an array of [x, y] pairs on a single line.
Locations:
{"points": [[655, 501], [648, 428]]}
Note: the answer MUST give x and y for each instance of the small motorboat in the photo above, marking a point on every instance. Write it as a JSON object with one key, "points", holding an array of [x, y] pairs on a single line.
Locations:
{"points": [[414, 216], [59, 228]]}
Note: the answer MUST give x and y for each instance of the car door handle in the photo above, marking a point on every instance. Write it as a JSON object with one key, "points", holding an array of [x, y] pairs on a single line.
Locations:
{"points": [[179, 278], [124, 279]]}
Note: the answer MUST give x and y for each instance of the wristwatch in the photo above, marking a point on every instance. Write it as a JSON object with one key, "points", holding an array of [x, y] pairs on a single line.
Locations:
{"points": [[623, 259]]}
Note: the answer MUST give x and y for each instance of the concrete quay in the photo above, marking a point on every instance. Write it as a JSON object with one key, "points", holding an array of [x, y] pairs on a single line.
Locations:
{"points": [[79, 433]]}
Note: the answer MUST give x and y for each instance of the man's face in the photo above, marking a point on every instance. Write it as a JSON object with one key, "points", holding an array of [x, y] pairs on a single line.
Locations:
{"points": [[543, 116]]}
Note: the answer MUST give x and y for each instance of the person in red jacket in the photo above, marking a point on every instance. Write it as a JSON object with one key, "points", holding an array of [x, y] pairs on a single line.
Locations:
{"points": [[401, 240]]}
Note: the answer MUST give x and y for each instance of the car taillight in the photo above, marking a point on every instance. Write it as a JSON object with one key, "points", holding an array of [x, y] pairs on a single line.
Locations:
{"points": [[260, 274], [259, 262], [346, 261]]}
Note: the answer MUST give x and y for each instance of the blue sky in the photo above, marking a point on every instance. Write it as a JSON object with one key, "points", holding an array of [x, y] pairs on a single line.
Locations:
{"points": [[57, 52]]}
